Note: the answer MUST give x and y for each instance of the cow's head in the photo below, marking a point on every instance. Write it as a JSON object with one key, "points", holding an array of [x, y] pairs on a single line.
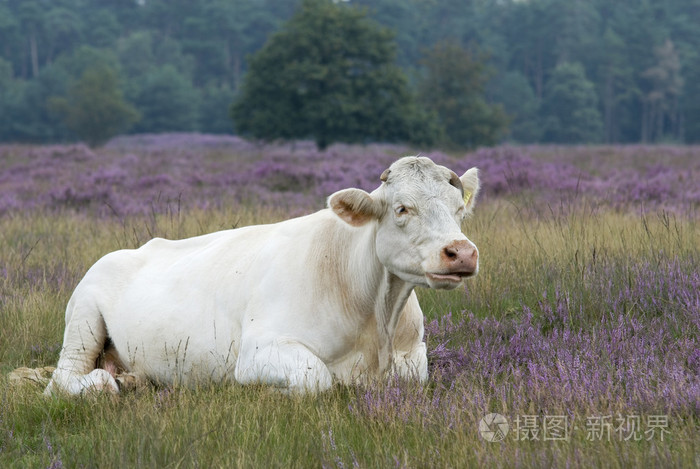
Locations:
{"points": [[418, 209]]}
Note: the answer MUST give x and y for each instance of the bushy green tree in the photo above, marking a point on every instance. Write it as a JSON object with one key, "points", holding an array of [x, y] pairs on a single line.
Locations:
{"points": [[136, 54], [617, 85], [691, 102], [7, 86], [105, 29], [10, 36], [63, 30], [94, 108], [329, 74], [167, 101], [661, 111], [570, 107], [85, 57], [213, 110], [522, 106], [454, 88], [32, 15], [31, 119], [223, 33]]}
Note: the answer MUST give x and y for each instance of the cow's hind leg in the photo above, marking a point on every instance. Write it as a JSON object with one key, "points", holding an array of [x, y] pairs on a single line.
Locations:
{"points": [[83, 341], [289, 366]]}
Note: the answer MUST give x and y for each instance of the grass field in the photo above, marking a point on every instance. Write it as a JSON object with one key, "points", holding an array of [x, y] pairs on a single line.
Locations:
{"points": [[582, 328]]}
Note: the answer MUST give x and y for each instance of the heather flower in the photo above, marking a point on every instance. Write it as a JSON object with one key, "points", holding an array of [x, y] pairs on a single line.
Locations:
{"points": [[132, 172]]}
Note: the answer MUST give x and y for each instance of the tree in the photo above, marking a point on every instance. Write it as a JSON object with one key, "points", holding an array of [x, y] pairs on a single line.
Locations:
{"points": [[224, 33], [63, 31], [453, 88], [329, 74], [661, 108], [167, 102], [520, 104], [7, 87], [10, 37], [213, 110], [530, 30], [570, 107], [106, 29], [32, 16], [94, 108], [691, 101], [617, 84], [32, 121], [85, 57], [136, 55]]}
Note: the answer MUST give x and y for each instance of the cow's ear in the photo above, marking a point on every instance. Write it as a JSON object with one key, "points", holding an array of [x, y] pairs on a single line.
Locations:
{"points": [[471, 185], [355, 206]]}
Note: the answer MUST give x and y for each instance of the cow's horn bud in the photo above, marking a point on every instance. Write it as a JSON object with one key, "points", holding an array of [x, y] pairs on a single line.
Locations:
{"points": [[385, 175], [455, 181]]}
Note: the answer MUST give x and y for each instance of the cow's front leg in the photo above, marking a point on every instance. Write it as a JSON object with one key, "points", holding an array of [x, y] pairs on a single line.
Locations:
{"points": [[287, 365], [412, 364]]}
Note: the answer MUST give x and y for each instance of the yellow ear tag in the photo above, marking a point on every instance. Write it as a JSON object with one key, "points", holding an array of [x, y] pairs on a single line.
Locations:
{"points": [[467, 197]]}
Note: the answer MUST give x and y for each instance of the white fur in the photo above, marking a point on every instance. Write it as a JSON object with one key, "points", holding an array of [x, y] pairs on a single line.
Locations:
{"points": [[296, 305]]}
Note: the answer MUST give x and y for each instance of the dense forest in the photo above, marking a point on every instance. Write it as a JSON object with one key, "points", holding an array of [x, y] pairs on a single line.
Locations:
{"points": [[563, 71]]}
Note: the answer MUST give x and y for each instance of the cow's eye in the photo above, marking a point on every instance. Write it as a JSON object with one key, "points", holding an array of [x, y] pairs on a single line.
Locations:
{"points": [[401, 210]]}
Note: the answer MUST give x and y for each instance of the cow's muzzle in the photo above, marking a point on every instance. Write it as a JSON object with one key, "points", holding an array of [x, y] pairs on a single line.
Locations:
{"points": [[458, 260]]}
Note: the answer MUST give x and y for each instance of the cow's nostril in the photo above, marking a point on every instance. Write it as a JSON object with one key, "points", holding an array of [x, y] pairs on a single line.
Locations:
{"points": [[450, 253]]}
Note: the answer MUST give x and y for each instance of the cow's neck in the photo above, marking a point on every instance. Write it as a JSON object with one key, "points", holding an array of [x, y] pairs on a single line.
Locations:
{"points": [[377, 289]]}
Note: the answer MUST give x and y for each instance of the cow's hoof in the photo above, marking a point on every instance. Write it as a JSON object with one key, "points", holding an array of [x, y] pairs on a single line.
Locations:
{"points": [[98, 380]]}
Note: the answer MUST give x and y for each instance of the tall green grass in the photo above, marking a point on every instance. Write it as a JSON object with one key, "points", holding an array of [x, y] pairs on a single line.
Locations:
{"points": [[523, 255]]}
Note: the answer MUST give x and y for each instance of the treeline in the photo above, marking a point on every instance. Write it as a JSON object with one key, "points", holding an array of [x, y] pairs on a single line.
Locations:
{"points": [[562, 71]]}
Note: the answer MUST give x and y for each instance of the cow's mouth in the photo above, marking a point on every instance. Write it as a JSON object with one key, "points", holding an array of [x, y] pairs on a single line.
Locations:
{"points": [[452, 277]]}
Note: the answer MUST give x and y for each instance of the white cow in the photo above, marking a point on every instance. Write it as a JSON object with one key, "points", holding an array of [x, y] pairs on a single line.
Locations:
{"points": [[294, 304]]}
